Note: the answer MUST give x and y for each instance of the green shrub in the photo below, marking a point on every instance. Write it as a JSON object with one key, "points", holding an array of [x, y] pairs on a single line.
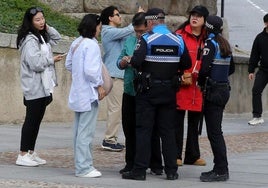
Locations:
{"points": [[12, 12]]}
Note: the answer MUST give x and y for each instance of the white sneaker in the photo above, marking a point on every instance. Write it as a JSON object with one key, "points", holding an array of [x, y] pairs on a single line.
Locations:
{"points": [[26, 160], [37, 159], [256, 121], [93, 174]]}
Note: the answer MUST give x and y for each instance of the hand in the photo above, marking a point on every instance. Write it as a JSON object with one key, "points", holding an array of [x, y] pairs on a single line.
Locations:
{"points": [[182, 78], [251, 76], [125, 61], [140, 9], [101, 92], [58, 58]]}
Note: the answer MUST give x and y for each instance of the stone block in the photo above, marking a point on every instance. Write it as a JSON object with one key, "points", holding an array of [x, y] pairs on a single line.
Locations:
{"points": [[124, 6], [5, 39], [65, 5]]}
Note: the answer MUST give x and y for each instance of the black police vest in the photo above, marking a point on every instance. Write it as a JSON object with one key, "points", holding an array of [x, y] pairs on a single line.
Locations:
{"points": [[220, 66]]}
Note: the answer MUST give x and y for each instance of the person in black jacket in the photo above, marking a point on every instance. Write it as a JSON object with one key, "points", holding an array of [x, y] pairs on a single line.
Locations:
{"points": [[259, 57], [216, 66]]}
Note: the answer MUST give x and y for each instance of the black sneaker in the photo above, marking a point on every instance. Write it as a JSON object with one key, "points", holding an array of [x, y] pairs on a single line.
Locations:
{"points": [[212, 176], [157, 172], [120, 145], [133, 176], [172, 176], [112, 147]]}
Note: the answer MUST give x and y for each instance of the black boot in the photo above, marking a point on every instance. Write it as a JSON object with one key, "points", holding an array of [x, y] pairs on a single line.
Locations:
{"points": [[213, 176], [126, 169], [172, 176], [134, 176]]}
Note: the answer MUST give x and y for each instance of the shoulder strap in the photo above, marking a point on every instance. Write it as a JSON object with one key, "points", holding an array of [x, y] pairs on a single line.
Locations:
{"points": [[199, 51], [76, 46]]}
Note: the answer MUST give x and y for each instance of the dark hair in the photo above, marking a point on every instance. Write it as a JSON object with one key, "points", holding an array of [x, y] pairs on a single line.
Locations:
{"points": [[27, 27], [106, 13], [139, 19], [265, 18], [224, 45], [87, 27], [184, 24]]}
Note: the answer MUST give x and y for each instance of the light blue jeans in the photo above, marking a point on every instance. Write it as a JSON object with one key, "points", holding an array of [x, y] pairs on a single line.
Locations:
{"points": [[84, 130]]}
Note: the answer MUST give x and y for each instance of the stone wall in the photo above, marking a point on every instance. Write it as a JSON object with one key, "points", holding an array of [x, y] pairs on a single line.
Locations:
{"points": [[171, 7], [177, 10]]}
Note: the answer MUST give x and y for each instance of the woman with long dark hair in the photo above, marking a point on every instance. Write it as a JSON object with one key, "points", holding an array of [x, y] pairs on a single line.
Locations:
{"points": [[38, 78], [189, 97], [216, 67]]}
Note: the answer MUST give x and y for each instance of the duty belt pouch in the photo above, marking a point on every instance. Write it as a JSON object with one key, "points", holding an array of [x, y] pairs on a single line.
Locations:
{"points": [[176, 81], [142, 82], [218, 95]]}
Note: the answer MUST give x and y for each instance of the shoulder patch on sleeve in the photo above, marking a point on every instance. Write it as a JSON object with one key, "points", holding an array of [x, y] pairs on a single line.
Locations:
{"points": [[138, 45], [206, 51]]}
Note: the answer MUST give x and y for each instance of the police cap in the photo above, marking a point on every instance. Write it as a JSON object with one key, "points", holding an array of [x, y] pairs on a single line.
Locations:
{"points": [[155, 14], [214, 24]]}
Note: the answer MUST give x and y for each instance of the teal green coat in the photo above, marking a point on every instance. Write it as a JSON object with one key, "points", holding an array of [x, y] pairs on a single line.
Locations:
{"points": [[128, 50]]}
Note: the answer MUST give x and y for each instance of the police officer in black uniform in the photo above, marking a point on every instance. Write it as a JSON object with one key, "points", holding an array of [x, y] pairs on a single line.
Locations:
{"points": [[158, 57], [216, 66]]}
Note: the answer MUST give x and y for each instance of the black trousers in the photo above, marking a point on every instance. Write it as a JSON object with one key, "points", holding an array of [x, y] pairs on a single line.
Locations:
{"points": [[35, 110], [192, 151], [129, 129], [156, 107], [260, 82], [213, 117]]}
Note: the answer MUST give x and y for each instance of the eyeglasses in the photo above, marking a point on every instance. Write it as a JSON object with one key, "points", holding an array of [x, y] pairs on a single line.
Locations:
{"points": [[117, 14], [33, 11], [140, 31]]}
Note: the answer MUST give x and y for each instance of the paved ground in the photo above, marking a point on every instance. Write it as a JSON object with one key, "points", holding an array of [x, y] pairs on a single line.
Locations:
{"points": [[247, 154]]}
